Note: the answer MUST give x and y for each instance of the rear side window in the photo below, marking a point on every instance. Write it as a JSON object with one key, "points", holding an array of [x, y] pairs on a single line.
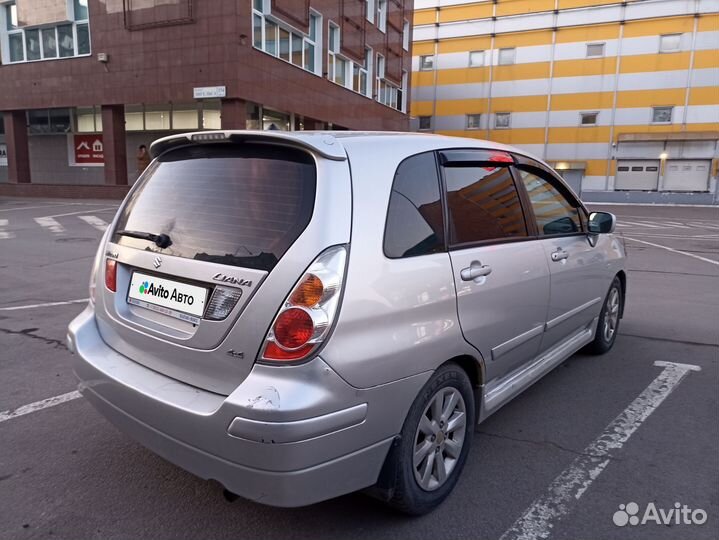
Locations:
{"points": [[414, 219], [235, 204], [483, 204], [554, 213]]}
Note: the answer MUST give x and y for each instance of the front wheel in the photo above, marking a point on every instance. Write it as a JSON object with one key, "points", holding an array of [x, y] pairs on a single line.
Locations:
{"points": [[608, 320], [435, 441]]}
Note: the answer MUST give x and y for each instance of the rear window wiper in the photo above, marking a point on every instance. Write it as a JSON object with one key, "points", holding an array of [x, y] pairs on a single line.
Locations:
{"points": [[160, 240]]}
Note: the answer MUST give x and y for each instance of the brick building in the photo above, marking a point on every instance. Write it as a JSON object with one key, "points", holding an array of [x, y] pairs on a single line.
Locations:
{"points": [[83, 83]]}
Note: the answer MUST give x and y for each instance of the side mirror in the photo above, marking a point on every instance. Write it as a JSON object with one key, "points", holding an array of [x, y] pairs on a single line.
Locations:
{"points": [[602, 223]]}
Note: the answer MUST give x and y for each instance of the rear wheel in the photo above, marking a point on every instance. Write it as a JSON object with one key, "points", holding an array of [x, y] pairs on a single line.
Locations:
{"points": [[608, 320], [435, 440]]}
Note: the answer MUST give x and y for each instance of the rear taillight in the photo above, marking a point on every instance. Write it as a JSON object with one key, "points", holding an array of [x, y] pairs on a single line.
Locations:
{"points": [[306, 315], [111, 274]]}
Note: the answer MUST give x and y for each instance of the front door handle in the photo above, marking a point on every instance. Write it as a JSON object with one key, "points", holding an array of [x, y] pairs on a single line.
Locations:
{"points": [[475, 271], [559, 255]]}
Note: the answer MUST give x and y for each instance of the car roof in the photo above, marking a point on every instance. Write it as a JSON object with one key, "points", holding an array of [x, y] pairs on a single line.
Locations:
{"points": [[333, 144]]}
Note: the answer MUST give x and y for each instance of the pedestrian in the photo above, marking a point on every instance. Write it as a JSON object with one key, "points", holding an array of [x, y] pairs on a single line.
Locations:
{"points": [[143, 159]]}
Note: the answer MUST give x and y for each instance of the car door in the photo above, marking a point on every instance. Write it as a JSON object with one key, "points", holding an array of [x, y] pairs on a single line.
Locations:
{"points": [[577, 269], [500, 272]]}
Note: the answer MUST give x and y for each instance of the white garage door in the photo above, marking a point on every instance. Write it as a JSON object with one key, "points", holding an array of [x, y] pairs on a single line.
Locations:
{"points": [[636, 174], [687, 175]]}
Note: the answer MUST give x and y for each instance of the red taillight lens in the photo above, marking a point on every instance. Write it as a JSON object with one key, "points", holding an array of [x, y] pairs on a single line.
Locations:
{"points": [[293, 328], [274, 352], [111, 274]]}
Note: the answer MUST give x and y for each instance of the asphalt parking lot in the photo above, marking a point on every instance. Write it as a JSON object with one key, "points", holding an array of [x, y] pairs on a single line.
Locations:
{"points": [[67, 473]]}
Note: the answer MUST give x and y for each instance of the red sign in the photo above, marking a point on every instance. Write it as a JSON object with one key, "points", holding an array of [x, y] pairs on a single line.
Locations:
{"points": [[89, 149]]}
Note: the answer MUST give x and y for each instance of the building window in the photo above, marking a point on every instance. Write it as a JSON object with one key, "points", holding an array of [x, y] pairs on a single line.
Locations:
{"points": [[370, 10], [595, 50], [405, 35], [361, 74], [27, 44], [88, 120], [49, 121], [476, 58], [389, 93], [425, 123], [502, 120], [279, 40], [426, 63], [588, 118], [670, 43], [472, 121], [506, 56], [662, 115], [336, 64], [382, 15]]}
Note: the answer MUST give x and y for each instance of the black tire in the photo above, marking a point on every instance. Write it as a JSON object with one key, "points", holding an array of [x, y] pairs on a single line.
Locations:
{"points": [[407, 494], [602, 343]]}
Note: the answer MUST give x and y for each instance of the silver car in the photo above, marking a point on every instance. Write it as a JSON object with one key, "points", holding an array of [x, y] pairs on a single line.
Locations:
{"points": [[303, 315]]}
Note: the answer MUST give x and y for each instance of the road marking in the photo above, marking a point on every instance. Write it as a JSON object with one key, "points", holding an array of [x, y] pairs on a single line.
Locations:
{"points": [[711, 261], [38, 405], [4, 235], [47, 304], [83, 211], [51, 224], [95, 221], [539, 519], [32, 207], [704, 225], [643, 224]]}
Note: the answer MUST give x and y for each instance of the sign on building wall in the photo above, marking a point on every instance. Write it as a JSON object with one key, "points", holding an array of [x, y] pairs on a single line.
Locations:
{"points": [[89, 149], [206, 92], [3, 155]]}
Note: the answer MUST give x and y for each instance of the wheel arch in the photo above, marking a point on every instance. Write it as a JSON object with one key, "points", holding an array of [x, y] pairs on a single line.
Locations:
{"points": [[623, 281]]}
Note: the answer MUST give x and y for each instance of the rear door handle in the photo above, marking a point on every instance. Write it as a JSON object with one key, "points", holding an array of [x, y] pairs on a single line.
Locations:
{"points": [[559, 255], [475, 271]]}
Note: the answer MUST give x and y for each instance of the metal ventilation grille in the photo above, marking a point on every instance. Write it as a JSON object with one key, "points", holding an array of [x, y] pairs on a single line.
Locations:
{"points": [[223, 301]]}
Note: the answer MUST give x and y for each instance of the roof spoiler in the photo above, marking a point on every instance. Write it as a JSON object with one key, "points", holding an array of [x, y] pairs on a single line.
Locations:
{"points": [[322, 143]]}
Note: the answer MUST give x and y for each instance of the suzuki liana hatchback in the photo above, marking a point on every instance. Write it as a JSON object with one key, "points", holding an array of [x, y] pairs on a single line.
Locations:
{"points": [[303, 315]]}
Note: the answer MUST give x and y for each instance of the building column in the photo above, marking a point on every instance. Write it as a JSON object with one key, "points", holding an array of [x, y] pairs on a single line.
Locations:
{"points": [[18, 150], [233, 114], [114, 144]]}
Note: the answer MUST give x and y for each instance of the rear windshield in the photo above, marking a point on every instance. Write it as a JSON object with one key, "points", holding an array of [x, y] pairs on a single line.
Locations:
{"points": [[235, 204]]}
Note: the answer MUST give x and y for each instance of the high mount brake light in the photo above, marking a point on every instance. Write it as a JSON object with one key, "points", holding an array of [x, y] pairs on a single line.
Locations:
{"points": [[500, 157], [305, 318]]}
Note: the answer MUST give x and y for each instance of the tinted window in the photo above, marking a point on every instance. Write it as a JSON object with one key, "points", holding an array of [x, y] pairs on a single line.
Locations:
{"points": [[554, 213], [241, 205], [414, 219], [483, 204]]}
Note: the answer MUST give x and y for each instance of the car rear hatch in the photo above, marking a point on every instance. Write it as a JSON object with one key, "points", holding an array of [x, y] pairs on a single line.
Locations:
{"points": [[209, 243]]}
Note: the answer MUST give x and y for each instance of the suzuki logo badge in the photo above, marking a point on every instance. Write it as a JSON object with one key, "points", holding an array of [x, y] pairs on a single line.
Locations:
{"points": [[157, 262]]}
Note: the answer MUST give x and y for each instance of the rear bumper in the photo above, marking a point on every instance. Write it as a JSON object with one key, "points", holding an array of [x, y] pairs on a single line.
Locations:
{"points": [[287, 436]]}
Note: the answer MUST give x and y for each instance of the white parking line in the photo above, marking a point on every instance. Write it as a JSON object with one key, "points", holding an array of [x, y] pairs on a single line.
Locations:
{"points": [[51, 224], [5, 234], [539, 519], [47, 304], [38, 405], [711, 261], [95, 221], [84, 211]]}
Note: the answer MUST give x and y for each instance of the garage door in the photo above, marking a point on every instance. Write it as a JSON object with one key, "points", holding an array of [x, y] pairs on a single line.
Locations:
{"points": [[573, 177], [637, 174], [687, 175]]}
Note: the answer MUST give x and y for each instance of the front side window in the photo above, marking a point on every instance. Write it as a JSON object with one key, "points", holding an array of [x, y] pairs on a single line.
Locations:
{"points": [[414, 218], [554, 213], [483, 204]]}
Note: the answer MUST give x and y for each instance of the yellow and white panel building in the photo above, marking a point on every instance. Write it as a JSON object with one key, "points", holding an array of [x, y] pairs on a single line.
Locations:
{"points": [[621, 97]]}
